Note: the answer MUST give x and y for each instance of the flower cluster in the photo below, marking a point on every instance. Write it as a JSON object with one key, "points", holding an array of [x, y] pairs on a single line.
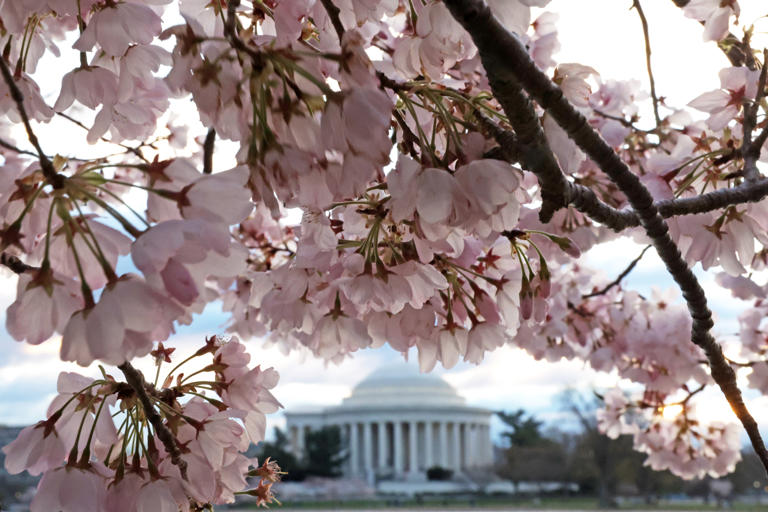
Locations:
{"points": [[100, 448]]}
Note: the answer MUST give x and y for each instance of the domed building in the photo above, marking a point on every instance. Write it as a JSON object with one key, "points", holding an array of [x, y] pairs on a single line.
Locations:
{"points": [[398, 422]]}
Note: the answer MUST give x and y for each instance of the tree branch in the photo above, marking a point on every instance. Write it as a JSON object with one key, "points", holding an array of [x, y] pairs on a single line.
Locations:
{"points": [[646, 36], [11, 147], [333, 14], [747, 192], [135, 379], [581, 197], [751, 152], [585, 200], [53, 177], [230, 30], [128, 149], [14, 264], [618, 279], [506, 61], [531, 144], [210, 140]]}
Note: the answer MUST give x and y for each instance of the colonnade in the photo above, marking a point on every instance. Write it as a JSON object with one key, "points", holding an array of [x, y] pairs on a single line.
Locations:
{"points": [[410, 446]]}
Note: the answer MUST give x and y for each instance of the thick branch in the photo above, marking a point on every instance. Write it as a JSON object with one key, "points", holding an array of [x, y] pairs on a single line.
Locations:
{"points": [[585, 200], [54, 178], [136, 380], [581, 197], [747, 192], [506, 61], [530, 144]]}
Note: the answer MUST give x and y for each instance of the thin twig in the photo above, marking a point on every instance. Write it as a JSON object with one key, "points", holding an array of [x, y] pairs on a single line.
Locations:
{"points": [[408, 136], [11, 147], [128, 149], [620, 277], [762, 138], [53, 177], [646, 36], [751, 152], [230, 30], [135, 379], [210, 140], [506, 60]]}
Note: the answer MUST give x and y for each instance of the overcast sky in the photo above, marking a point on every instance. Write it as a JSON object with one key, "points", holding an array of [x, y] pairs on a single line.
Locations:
{"points": [[508, 378]]}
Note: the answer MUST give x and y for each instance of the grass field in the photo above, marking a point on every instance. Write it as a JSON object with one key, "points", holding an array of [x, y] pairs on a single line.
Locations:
{"points": [[464, 504]]}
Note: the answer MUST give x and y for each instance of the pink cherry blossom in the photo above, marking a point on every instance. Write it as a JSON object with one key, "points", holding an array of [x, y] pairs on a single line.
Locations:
{"points": [[71, 489], [117, 26], [43, 306], [91, 86], [36, 449], [737, 84], [128, 317], [715, 14], [179, 253]]}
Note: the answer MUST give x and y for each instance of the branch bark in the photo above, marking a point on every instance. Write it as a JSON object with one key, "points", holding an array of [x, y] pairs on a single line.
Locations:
{"points": [[586, 201], [135, 379], [210, 140], [334, 15], [14, 264], [533, 148], [506, 61]]}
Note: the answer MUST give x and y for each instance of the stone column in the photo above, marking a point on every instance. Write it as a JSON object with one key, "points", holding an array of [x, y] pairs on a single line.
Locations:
{"points": [[367, 447], [397, 448], [428, 458], [467, 446], [443, 433], [353, 450], [413, 449], [300, 441], [382, 445], [455, 449], [491, 453]]}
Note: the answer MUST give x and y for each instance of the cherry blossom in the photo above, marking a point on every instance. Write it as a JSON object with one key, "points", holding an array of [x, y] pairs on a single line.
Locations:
{"points": [[118, 25], [736, 85], [129, 316], [91, 86], [715, 15], [44, 305]]}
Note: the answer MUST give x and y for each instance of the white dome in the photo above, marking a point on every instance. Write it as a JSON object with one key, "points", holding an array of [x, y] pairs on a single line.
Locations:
{"points": [[402, 385]]}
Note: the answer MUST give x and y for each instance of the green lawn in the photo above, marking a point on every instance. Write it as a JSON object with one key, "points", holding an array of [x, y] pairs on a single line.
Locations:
{"points": [[495, 504]]}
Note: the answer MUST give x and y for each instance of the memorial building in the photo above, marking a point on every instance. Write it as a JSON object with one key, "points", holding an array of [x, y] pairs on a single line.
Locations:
{"points": [[397, 423]]}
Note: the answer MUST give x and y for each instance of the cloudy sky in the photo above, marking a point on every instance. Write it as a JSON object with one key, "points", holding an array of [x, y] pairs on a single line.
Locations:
{"points": [[508, 378]]}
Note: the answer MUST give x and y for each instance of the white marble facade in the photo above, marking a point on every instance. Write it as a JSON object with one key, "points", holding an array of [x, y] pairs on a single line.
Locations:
{"points": [[397, 423]]}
